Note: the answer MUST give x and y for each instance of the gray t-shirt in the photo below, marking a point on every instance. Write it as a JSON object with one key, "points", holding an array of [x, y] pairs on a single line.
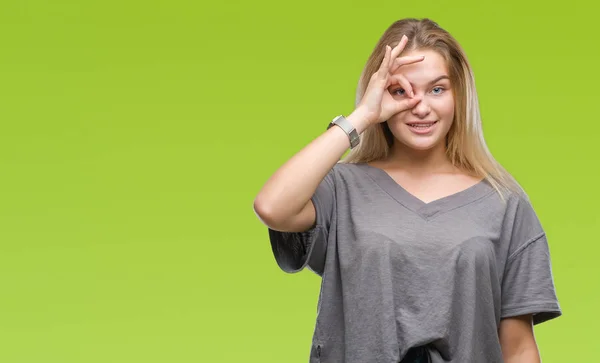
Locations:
{"points": [[398, 272]]}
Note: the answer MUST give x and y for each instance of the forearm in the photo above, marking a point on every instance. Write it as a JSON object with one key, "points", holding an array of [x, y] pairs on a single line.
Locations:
{"points": [[290, 188]]}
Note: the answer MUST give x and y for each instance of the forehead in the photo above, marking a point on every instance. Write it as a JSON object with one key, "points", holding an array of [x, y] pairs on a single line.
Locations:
{"points": [[423, 71]]}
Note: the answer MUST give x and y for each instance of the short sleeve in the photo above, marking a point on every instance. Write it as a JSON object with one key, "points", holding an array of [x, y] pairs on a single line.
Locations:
{"points": [[295, 250], [528, 283]]}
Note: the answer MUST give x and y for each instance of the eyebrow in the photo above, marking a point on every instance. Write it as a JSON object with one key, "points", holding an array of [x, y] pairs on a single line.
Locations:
{"points": [[443, 76], [440, 78]]}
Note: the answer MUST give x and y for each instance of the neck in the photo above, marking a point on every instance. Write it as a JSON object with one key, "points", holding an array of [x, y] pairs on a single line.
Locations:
{"points": [[420, 162]]}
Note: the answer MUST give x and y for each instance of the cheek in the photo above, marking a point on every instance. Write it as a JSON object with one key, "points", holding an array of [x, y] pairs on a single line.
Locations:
{"points": [[446, 108], [397, 118]]}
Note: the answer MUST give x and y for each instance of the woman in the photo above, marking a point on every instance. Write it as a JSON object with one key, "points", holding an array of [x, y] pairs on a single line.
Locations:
{"points": [[429, 251]]}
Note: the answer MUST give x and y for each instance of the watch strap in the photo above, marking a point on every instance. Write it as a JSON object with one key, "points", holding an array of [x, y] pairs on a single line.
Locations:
{"points": [[345, 125]]}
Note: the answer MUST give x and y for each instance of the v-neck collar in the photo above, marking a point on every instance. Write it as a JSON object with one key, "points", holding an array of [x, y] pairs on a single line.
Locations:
{"points": [[418, 206]]}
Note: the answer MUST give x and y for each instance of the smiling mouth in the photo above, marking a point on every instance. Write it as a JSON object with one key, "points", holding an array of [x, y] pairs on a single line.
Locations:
{"points": [[422, 125]]}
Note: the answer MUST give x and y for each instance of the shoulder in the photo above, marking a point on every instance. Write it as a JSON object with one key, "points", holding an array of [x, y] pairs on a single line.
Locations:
{"points": [[519, 203], [353, 177], [513, 207], [344, 170], [521, 220], [510, 195]]}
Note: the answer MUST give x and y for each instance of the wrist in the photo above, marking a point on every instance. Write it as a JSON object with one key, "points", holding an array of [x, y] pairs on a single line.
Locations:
{"points": [[359, 120]]}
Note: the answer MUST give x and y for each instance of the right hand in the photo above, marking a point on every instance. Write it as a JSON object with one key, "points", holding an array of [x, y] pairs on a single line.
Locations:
{"points": [[377, 104]]}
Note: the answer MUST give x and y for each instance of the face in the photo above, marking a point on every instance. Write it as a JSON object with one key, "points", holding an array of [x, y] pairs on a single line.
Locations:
{"points": [[413, 128]]}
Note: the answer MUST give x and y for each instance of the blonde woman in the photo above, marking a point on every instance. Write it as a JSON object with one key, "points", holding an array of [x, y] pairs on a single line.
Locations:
{"points": [[429, 251]]}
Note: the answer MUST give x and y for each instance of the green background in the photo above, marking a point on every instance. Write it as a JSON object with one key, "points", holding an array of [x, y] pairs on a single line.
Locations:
{"points": [[135, 136]]}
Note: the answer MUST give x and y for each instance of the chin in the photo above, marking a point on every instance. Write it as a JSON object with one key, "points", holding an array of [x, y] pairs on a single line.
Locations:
{"points": [[423, 145]]}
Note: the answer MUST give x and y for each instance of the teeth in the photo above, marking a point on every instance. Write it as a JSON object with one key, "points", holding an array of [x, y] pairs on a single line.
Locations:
{"points": [[423, 126]]}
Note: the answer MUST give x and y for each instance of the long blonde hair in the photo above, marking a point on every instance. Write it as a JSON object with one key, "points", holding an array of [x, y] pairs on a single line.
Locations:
{"points": [[466, 147]]}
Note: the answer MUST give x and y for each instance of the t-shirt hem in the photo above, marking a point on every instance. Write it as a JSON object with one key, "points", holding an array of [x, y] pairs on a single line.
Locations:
{"points": [[287, 245], [292, 262], [542, 311]]}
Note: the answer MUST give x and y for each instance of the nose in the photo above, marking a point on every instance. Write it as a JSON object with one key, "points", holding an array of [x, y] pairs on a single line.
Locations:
{"points": [[421, 109]]}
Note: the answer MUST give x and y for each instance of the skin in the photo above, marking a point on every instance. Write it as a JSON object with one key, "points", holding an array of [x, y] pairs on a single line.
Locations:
{"points": [[517, 340], [435, 102], [419, 162]]}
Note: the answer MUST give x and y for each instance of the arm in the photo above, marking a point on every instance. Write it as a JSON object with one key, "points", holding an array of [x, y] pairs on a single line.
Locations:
{"points": [[284, 202], [518, 341]]}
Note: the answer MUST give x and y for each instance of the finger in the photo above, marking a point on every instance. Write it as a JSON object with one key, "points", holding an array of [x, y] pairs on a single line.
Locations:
{"points": [[398, 48], [402, 81], [399, 62], [385, 63], [406, 104]]}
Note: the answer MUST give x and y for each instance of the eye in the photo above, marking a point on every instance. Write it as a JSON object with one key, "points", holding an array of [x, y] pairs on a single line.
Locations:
{"points": [[402, 92], [440, 88]]}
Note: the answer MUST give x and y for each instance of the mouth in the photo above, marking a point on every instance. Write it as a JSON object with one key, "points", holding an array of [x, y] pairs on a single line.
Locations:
{"points": [[422, 127]]}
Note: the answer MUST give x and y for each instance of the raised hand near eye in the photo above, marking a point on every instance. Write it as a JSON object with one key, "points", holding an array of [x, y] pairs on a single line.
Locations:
{"points": [[377, 104]]}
